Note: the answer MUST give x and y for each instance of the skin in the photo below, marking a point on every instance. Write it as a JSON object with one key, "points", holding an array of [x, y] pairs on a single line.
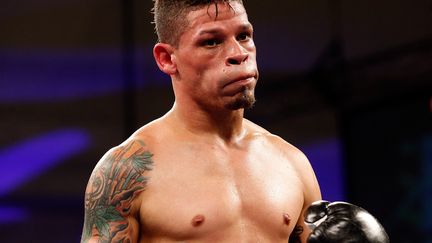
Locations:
{"points": [[202, 172]]}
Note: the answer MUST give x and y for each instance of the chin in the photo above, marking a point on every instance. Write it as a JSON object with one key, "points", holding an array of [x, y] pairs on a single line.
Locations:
{"points": [[244, 100]]}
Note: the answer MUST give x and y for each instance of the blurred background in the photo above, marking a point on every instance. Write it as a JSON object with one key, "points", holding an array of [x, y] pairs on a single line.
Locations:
{"points": [[348, 82]]}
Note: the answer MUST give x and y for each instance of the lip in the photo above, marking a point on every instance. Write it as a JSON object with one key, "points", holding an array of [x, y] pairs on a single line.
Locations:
{"points": [[244, 79]]}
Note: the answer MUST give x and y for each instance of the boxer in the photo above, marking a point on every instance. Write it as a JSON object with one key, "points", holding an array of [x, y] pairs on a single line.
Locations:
{"points": [[202, 172]]}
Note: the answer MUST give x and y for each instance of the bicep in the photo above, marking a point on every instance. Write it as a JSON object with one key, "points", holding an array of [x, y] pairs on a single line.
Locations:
{"points": [[112, 196], [107, 218], [120, 231]]}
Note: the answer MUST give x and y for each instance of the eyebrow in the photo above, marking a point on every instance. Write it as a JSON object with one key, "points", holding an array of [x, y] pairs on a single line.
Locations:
{"points": [[210, 31], [218, 30]]}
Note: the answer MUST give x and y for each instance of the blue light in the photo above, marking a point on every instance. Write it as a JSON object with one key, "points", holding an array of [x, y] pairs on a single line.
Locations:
{"points": [[326, 159], [21, 162]]}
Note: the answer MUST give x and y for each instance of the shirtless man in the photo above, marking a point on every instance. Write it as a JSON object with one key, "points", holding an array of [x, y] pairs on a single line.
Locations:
{"points": [[202, 172]]}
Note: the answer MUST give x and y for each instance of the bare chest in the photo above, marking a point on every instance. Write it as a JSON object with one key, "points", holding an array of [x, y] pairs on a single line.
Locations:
{"points": [[206, 193]]}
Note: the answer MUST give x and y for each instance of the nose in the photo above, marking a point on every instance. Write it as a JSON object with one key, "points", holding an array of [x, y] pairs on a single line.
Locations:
{"points": [[236, 54]]}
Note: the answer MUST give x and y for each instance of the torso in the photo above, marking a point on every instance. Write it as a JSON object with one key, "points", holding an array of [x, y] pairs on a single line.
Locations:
{"points": [[201, 191]]}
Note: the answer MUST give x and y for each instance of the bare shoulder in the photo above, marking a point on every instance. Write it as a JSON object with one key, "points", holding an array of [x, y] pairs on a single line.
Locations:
{"points": [[292, 155], [115, 183], [275, 141]]}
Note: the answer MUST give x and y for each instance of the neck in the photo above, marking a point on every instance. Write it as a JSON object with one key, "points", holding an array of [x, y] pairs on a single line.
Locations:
{"points": [[223, 124]]}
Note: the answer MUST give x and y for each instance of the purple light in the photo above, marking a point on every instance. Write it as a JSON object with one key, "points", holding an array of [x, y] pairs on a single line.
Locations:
{"points": [[44, 75], [12, 214], [21, 162], [325, 157]]}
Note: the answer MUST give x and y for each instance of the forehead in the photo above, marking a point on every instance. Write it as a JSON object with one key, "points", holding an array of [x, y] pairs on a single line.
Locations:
{"points": [[228, 14]]}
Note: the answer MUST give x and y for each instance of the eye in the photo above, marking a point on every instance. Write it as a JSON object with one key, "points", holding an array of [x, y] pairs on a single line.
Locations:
{"points": [[244, 36], [211, 42]]}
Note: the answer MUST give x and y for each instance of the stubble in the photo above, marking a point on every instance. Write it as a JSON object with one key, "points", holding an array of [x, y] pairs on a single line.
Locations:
{"points": [[244, 100]]}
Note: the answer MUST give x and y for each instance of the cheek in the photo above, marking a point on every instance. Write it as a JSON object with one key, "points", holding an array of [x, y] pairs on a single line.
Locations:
{"points": [[197, 66], [209, 72], [251, 45], [203, 71], [251, 48]]}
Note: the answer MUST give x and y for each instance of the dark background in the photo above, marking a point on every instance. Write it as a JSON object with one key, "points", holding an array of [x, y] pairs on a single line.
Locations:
{"points": [[348, 82]]}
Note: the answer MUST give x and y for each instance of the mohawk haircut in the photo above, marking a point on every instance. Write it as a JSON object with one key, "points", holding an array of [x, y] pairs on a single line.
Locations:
{"points": [[170, 16]]}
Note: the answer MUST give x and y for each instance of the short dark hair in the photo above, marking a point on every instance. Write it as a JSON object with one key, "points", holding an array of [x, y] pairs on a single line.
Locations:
{"points": [[170, 16]]}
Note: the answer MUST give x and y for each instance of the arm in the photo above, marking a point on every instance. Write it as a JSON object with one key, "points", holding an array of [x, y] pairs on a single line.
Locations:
{"points": [[112, 193], [311, 192]]}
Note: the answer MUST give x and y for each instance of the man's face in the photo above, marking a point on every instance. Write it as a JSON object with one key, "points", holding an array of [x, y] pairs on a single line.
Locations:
{"points": [[216, 57]]}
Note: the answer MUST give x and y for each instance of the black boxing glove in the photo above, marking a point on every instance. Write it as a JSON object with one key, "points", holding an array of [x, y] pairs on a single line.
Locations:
{"points": [[341, 222]]}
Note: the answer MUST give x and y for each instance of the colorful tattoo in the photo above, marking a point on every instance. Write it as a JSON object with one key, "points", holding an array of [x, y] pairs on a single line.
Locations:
{"points": [[114, 184], [295, 235]]}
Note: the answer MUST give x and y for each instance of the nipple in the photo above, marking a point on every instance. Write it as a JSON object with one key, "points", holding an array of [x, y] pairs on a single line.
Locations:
{"points": [[198, 220], [286, 219]]}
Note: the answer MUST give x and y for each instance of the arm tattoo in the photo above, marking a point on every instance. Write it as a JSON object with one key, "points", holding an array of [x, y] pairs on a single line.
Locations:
{"points": [[295, 235], [113, 186]]}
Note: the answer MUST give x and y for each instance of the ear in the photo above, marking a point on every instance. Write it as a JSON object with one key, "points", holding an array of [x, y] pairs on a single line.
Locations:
{"points": [[163, 54]]}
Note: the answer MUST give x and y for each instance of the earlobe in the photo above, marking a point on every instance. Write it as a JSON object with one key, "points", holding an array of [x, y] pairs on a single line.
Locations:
{"points": [[163, 54]]}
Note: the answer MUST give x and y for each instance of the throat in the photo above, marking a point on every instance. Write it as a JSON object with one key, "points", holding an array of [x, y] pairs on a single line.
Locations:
{"points": [[226, 125]]}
